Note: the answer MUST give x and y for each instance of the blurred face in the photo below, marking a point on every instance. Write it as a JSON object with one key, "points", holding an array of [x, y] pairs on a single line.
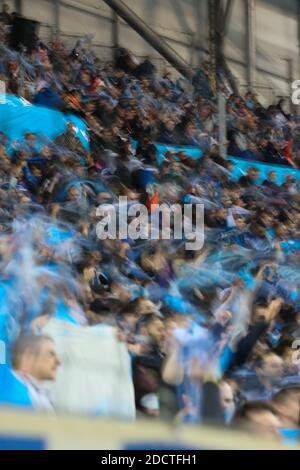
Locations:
{"points": [[204, 111], [289, 179], [70, 127], [214, 150], [30, 139], [221, 214], [74, 193], [182, 155], [146, 306], [85, 77], [282, 231], [272, 175], [265, 422], [226, 394], [190, 129], [170, 125], [16, 171], [267, 220], [253, 174], [289, 411], [145, 84], [119, 291], [274, 212], [46, 152], [156, 330], [12, 66], [90, 106], [36, 172], [240, 223], [45, 362], [263, 143], [259, 312], [272, 366], [252, 147], [131, 319], [2, 151]]}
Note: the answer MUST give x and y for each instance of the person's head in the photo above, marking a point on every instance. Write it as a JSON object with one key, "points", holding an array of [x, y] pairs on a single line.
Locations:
{"points": [[190, 129], [257, 229], [220, 214], [272, 176], [30, 138], [259, 417], [263, 143], [71, 127], [36, 170], [145, 306], [2, 151], [120, 291], [289, 179], [35, 356], [282, 230], [5, 8], [85, 76], [169, 124], [16, 171], [12, 65], [204, 110], [227, 400], [260, 310], [270, 367], [287, 405], [240, 223], [248, 95], [215, 150], [46, 152], [130, 318], [267, 220], [252, 146], [73, 193], [155, 328], [253, 173]]}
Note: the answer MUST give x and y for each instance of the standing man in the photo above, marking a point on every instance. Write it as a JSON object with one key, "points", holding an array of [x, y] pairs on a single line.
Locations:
{"points": [[34, 360]]}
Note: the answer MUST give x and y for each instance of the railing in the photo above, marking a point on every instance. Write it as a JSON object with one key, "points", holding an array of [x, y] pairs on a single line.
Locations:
{"points": [[33, 430]]}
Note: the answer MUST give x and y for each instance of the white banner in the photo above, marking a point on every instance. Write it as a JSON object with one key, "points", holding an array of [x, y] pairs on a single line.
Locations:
{"points": [[95, 375]]}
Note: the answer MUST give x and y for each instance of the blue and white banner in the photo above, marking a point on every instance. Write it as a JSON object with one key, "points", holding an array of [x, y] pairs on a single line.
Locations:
{"points": [[18, 116], [241, 166]]}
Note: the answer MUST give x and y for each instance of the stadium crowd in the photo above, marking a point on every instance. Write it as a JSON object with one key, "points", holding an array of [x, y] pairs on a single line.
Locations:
{"points": [[211, 334]]}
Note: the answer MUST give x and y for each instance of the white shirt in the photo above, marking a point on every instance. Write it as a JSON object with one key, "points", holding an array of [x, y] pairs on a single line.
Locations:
{"points": [[38, 395]]}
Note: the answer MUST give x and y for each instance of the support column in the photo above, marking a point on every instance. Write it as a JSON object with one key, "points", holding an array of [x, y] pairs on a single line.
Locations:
{"points": [[290, 78], [222, 124], [213, 53], [18, 6], [57, 17], [298, 63], [115, 32], [251, 42], [227, 16]]}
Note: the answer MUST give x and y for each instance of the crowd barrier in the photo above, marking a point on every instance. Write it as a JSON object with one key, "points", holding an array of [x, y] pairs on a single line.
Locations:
{"points": [[25, 430]]}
